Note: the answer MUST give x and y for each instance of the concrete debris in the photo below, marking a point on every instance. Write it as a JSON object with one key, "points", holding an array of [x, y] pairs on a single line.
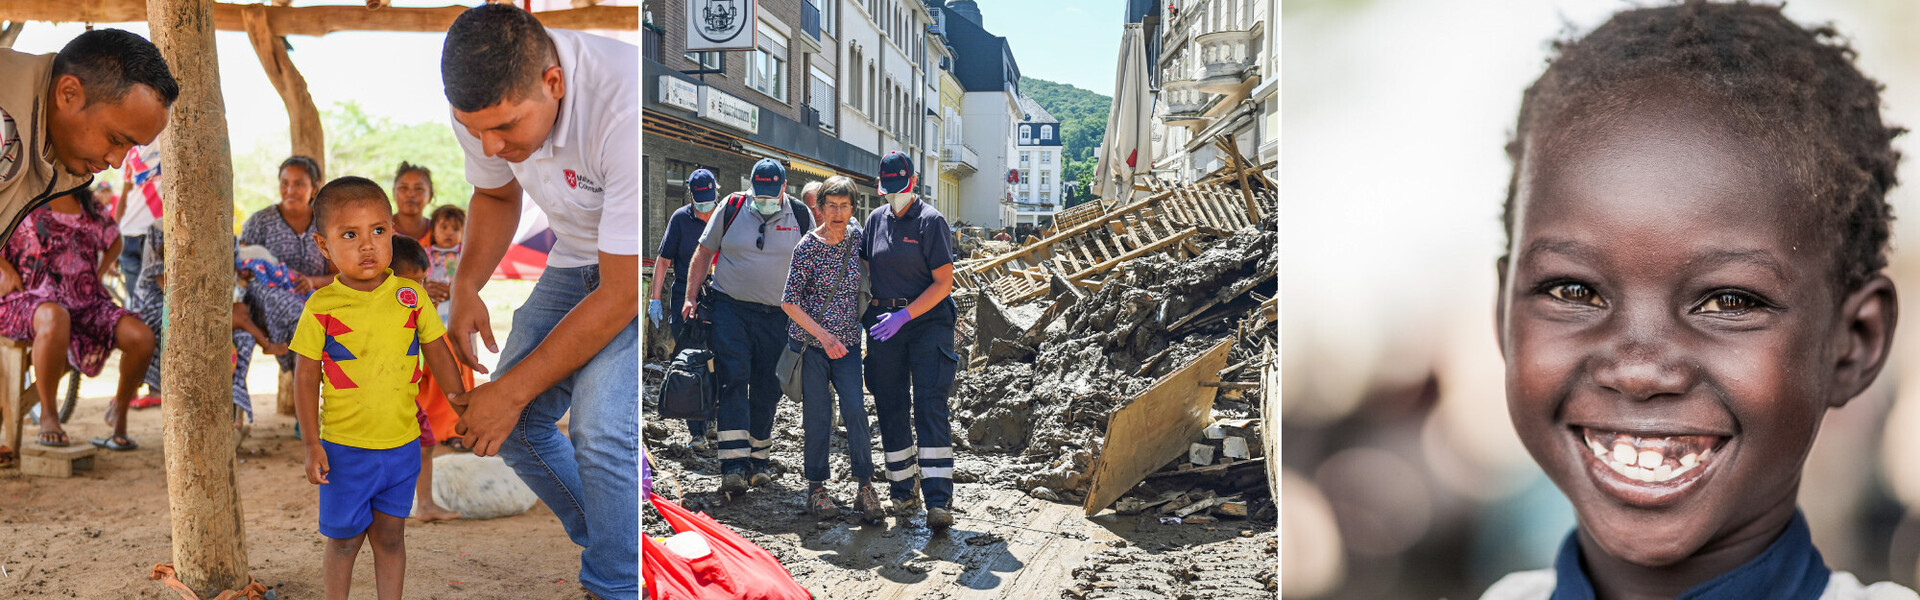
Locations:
{"points": [[1045, 393]]}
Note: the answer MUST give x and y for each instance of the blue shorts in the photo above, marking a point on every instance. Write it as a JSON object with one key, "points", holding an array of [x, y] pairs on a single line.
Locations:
{"points": [[362, 481]]}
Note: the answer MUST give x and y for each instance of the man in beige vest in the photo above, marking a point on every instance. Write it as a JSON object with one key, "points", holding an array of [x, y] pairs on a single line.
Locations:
{"points": [[66, 116]]}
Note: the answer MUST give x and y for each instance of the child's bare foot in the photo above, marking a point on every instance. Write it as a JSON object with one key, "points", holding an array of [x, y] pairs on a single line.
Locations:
{"points": [[429, 512]]}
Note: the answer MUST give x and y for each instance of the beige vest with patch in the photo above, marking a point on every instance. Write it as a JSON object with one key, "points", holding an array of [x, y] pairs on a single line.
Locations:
{"points": [[28, 176]]}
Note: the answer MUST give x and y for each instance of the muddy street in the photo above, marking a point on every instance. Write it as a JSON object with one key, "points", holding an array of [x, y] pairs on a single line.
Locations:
{"points": [[1005, 543]]}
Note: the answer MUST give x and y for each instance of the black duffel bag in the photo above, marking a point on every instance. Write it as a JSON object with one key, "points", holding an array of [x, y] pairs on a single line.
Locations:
{"points": [[689, 390]]}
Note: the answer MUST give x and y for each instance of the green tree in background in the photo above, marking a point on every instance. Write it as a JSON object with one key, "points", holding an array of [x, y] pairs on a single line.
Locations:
{"points": [[1082, 114], [1083, 124], [359, 144]]}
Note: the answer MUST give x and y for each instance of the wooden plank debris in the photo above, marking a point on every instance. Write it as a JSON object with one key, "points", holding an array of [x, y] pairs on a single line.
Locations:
{"points": [[1154, 428]]}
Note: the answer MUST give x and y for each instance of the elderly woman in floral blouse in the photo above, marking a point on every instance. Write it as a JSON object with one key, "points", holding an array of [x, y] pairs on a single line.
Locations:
{"points": [[822, 300]]}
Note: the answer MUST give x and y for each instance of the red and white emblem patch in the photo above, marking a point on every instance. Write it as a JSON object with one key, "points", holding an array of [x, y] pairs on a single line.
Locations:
{"points": [[408, 297], [573, 181]]}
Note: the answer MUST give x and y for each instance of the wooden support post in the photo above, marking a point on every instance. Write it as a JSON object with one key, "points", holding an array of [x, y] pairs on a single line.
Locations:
{"points": [[11, 32], [1239, 165], [16, 397], [209, 545], [303, 118]]}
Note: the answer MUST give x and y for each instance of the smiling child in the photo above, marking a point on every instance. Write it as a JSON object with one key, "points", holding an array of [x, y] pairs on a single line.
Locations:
{"points": [[1697, 224]]}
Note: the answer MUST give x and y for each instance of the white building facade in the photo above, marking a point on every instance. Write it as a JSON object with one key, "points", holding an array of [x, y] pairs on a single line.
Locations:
{"points": [[1213, 62], [1037, 158]]}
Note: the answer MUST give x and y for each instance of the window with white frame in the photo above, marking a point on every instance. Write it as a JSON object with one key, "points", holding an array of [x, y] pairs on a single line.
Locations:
{"points": [[1026, 134], [827, 10], [1046, 132], [1046, 157], [1026, 176], [853, 74], [1046, 197], [767, 72], [822, 98], [1046, 177], [1025, 198], [1024, 157], [707, 60]]}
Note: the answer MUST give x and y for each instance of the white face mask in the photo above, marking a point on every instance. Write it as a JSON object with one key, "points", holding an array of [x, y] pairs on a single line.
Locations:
{"points": [[704, 207], [766, 206], [900, 200]]}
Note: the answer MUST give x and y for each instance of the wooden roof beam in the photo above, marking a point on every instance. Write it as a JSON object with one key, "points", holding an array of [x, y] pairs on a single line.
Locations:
{"points": [[312, 20]]}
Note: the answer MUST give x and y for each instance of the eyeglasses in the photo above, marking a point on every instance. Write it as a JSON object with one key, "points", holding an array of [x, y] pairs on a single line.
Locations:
{"points": [[761, 243]]}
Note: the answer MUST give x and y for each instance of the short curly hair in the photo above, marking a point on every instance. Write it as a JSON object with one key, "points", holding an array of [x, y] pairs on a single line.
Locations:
{"points": [[1799, 82]]}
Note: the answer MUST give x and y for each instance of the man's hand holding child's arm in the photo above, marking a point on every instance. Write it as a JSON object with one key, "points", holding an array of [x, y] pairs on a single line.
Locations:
{"points": [[446, 371], [306, 408]]}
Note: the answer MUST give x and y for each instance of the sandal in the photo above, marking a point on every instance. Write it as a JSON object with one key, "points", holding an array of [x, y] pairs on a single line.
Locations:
{"points": [[148, 401], [118, 443], [6, 456], [457, 444], [54, 439]]}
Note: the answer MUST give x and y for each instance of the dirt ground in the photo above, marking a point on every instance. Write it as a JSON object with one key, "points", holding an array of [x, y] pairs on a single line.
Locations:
{"points": [[99, 534], [1004, 544]]}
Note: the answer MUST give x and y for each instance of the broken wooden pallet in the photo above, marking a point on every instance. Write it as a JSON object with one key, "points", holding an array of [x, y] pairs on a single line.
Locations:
{"points": [[1080, 251]]}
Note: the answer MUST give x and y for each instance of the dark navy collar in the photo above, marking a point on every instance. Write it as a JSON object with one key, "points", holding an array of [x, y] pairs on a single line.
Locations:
{"points": [[1789, 569]]}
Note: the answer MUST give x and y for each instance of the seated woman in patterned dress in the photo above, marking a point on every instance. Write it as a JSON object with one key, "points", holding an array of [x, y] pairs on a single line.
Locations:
{"points": [[50, 278], [286, 229], [254, 299]]}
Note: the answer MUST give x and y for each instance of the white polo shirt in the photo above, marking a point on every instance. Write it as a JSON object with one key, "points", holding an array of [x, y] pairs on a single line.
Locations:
{"points": [[587, 176]]}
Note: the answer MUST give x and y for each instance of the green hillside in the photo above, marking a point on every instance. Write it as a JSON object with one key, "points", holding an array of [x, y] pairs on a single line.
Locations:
{"points": [[1083, 122]]}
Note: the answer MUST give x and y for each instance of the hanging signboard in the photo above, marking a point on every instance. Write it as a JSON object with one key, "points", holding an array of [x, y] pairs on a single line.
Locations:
{"points": [[726, 109], [683, 94], [720, 25]]}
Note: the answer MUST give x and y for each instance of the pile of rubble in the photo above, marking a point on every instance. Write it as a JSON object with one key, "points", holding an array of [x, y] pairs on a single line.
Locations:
{"points": [[1156, 307]]}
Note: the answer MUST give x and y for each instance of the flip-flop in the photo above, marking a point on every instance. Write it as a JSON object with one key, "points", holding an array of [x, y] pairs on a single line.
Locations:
{"points": [[61, 442], [148, 401], [114, 443]]}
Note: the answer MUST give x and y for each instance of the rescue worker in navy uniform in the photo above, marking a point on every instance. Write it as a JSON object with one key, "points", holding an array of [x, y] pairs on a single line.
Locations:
{"points": [[910, 358], [676, 251]]}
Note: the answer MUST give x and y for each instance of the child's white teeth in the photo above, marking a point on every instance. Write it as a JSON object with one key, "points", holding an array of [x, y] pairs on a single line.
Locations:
{"points": [[1623, 453], [1650, 459], [1648, 465]]}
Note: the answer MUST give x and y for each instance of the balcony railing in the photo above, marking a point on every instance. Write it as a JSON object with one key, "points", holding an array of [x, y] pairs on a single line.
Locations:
{"points": [[1225, 56], [1184, 100], [810, 19], [653, 44], [959, 159]]}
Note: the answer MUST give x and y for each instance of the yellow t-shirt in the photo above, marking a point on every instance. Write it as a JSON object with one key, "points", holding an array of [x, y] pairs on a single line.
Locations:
{"points": [[368, 345]]}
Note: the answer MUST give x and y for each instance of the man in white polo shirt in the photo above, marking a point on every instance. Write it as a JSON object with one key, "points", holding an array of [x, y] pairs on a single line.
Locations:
{"points": [[555, 114]]}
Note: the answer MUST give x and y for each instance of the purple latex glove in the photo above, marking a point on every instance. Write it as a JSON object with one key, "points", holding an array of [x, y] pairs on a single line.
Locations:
{"points": [[890, 324], [646, 475]]}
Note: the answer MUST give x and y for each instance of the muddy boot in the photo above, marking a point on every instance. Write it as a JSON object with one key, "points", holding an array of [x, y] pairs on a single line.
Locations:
{"points": [[820, 503], [939, 518], [868, 505], [700, 444], [906, 508], [732, 484], [760, 478]]}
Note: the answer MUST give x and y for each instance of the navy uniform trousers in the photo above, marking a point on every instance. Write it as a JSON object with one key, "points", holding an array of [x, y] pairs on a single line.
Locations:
{"points": [[910, 376]]}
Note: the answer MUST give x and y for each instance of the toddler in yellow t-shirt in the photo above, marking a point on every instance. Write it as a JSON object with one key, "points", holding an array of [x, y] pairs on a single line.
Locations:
{"points": [[361, 344]]}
